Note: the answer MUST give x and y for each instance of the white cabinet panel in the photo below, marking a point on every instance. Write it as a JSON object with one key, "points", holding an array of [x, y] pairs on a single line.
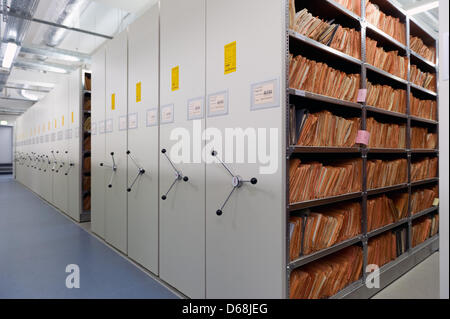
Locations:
{"points": [[143, 140], [98, 183], [116, 142], [47, 183], [182, 214], [60, 110], [245, 245], [73, 170]]}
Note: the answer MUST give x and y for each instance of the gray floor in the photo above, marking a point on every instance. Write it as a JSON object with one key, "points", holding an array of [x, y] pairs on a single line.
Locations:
{"points": [[421, 282], [37, 243]]}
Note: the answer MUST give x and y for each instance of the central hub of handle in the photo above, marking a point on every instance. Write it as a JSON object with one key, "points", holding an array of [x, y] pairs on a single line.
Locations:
{"points": [[236, 181]]}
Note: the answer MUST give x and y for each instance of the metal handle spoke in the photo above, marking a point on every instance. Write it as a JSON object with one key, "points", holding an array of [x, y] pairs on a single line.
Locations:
{"points": [[164, 197], [170, 161], [220, 211], [214, 153]]}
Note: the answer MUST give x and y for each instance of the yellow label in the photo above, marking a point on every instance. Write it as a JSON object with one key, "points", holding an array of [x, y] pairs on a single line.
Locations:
{"points": [[62, 120], [72, 117], [113, 101], [175, 78], [138, 92], [49, 125], [230, 58], [436, 202], [55, 123]]}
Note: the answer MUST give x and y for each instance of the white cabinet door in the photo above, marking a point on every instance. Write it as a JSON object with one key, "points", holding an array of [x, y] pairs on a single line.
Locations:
{"points": [[143, 140], [73, 170], [47, 174], [98, 182], [245, 54], [116, 142], [60, 108], [182, 213]]}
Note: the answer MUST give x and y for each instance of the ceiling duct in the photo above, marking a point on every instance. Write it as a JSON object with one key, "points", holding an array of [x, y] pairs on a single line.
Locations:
{"points": [[15, 29], [70, 12]]}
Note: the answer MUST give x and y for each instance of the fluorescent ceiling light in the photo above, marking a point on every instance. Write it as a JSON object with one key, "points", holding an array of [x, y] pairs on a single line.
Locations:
{"points": [[56, 70], [10, 53], [423, 7], [3, 123]]}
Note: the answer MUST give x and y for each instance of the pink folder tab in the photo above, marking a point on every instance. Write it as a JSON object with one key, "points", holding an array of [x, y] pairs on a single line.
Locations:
{"points": [[363, 137], [362, 95]]}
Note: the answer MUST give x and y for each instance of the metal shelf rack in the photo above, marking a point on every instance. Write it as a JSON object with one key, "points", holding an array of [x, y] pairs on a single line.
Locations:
{"points": [[412, 256], [86, 172]]}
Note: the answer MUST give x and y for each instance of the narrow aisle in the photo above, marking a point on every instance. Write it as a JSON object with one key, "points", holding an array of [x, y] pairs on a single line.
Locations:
{"points": [[37, 243]]}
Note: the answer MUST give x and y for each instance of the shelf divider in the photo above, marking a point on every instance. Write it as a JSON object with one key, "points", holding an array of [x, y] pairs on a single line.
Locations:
{"points": [[324, 201], [303, 260]]}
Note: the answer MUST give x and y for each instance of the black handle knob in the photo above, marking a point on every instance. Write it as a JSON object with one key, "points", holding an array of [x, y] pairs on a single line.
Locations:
{"points": [[67, 152], [142, 171], [66, 174], [185, 178], [253, 181], [112, 153], [163, 151], [110, 186], [213, 153], [163, 197], [101, 164], [72, 164], [128, 152], [129, 190], [219, 212]]}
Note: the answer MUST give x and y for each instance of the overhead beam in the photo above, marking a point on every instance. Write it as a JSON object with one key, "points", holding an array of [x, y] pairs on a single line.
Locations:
{"points": [[16, 99], [29, 86], [43, 66], [56, 25], [6, 112], [60, 54], [26, 89]]}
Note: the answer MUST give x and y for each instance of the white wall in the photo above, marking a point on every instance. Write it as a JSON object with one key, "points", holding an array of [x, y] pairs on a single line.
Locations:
{"points": [[444, 142], [5, 144], [11, 119]]}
